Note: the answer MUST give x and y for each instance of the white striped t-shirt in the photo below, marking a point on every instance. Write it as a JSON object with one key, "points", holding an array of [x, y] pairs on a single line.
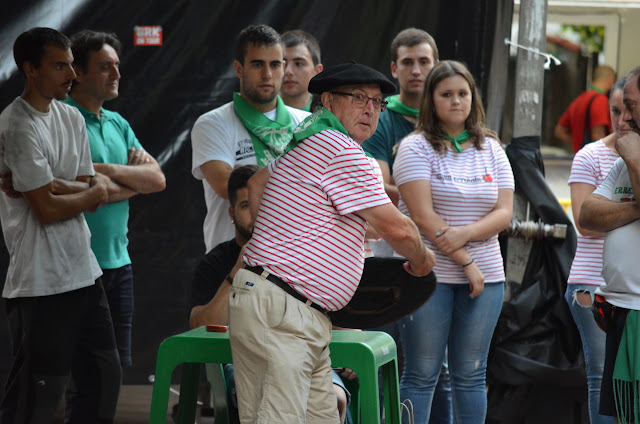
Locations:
{"points": [[464, 188], [590, 165], [308, 231]]}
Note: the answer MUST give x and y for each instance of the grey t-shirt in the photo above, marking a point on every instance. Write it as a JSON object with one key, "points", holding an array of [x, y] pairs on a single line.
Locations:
{"points": [[621, 268], [36, 147]]}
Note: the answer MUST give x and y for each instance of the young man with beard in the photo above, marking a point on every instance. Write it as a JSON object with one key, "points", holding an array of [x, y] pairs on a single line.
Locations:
{"points": [[254, 128], [57, 310]]}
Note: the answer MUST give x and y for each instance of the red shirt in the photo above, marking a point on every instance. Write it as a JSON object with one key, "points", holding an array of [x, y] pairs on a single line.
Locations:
{"points": [[574, 117]]}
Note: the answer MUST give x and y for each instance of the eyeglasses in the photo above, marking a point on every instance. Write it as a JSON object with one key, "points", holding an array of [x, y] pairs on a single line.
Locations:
{"points": [[359, 100]]}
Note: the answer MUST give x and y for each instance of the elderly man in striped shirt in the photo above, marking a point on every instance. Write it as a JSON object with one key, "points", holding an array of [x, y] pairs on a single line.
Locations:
{"points": [[306, 253]]}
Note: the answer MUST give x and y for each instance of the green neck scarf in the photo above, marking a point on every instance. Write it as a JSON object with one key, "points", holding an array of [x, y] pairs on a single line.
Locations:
{"points": [[308, 106], [457, 141], [397, 106], [599, 90], [626, 373], [270, 138], [321, 119]]}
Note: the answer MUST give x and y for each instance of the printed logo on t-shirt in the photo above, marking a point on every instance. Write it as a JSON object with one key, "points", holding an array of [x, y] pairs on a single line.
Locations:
{"points": [[466, 180], [245, 149], [487, 177]]}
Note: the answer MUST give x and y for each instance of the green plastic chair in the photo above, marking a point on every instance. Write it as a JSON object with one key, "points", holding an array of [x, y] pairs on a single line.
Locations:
{"points": [[365, 352]]}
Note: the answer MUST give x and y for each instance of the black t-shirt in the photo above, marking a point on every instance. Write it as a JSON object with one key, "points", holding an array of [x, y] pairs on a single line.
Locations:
{"points": [[212, 270]]}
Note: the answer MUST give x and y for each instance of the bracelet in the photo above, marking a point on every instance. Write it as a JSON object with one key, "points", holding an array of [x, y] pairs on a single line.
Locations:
{"points": [[228, 279], [466, 265]]}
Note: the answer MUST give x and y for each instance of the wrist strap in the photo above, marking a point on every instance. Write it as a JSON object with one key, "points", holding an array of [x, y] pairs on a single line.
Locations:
{"points": [[228, 279], [466, 265]]}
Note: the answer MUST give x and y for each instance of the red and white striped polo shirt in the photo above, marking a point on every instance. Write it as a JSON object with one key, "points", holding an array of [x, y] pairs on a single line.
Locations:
{"points": [[464, 188], [591, 165], [308, 231]]}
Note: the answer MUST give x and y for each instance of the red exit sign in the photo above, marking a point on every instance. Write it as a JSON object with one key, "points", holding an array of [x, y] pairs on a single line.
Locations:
{"points": [[147, 35]]}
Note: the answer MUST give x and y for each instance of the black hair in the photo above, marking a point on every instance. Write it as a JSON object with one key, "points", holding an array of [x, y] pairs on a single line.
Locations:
{"points": [[258, 35], [29, 46], [298, 36], [238, 180], [412, 37], [87, 41]]}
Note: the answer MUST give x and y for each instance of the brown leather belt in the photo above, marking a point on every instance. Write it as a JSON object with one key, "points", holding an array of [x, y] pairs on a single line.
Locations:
{"points": [[284, 286]]}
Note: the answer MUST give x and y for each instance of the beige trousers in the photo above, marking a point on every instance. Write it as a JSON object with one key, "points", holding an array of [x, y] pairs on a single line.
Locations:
{"points": [[280, 349]]}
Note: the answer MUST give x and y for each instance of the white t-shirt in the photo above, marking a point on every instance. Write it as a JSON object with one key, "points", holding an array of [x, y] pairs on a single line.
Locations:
{"points": [[220, 135], [464, 189], [36, 147], [621, 269], [308, 231], [591, 166]]}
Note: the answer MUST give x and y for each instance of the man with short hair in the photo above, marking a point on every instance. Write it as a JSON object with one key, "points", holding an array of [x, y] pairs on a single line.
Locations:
{"points": [[56, 307], [587, 118], [302, 62], [306, 253], [413, 54], [613, 209], [116, 153], [254, 128]]}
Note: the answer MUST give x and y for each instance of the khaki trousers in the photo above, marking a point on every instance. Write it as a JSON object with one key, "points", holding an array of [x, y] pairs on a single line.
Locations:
{"points": [[280, 349]]}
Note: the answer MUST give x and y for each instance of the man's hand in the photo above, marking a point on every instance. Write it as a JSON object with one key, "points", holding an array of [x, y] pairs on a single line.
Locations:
{"points": [[137, 157], [628, 147], [6, 185], [99, 183], [347, 373], [424, 267]]}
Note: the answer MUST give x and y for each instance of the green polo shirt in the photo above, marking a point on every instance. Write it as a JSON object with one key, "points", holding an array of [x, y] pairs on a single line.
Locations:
{"points": [[110, 139]]}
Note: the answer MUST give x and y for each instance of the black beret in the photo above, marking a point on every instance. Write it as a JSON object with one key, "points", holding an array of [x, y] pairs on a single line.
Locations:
{"points": [[350, 73]]}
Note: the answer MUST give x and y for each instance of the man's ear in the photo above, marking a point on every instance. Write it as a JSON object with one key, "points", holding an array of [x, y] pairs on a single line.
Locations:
{"points": [[231, 212], [28, 68], [394, 70], [79, 73], [326, 98], [237, 66], [319, 68]]}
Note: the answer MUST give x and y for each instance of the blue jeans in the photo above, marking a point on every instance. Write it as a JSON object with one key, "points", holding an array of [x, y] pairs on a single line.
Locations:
{"points": [[441, 408], [593, 346], [118, 285], [450, 320]]}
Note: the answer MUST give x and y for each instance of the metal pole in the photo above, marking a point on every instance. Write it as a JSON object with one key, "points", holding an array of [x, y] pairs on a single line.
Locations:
{"points": [[527, 116]]}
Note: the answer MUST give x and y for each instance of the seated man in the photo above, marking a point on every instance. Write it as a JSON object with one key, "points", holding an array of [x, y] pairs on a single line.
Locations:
{"points": [[212, 281]]}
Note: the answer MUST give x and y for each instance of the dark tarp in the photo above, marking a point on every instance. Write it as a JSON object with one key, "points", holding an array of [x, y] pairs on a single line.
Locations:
{"points": [[536, 366], [164, 89]]}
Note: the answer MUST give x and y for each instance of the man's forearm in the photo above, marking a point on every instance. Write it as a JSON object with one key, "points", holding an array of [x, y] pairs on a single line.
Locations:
{"points": [[49, 207], [118, 192], [215, 312], [61, 186], [601, 214], [144, 178]]}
